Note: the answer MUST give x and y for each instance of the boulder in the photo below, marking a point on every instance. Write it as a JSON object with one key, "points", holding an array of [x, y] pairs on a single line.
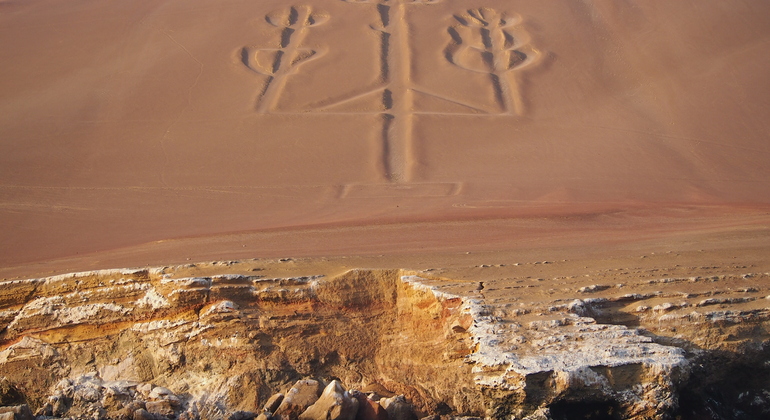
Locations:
{"points": [[16, 412], [87, 394], [134, 405], [160, 408], [334, 404], [398, 408], [301, 396], [368, 409], [377, 391], [160, 393], [46, 410], [273, 402], [145, 389], [113, 401], [242, 415], [142, 414]]}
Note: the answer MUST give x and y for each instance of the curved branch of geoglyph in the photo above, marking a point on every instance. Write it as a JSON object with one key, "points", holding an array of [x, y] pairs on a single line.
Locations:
{"points": [[279, 63], [488, 41]]}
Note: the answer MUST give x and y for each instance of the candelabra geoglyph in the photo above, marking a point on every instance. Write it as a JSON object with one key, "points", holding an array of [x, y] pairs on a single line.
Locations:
{"points": [[481, 40]]}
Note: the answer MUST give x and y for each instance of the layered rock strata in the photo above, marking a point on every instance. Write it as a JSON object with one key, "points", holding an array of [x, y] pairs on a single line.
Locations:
{"points": [[152, 344]]}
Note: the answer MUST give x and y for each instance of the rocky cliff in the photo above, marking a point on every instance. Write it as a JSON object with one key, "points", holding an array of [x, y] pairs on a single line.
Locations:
{"points": [[114, 343]]}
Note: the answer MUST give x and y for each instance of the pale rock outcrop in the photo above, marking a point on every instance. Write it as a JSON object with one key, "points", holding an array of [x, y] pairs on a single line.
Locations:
{"points": [[334, 404], [397, 408], [162, 394], [302, 395]]}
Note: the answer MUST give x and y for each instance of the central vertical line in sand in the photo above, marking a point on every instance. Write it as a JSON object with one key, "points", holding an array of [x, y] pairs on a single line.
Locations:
{"points": [[502, 79], [398, 101]]}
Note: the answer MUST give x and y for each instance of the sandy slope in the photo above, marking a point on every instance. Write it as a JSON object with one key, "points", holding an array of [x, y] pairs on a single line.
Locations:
{"points": [[127, 123]]}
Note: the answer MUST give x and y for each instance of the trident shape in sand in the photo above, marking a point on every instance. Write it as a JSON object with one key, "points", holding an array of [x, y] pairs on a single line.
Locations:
{"points": [[483, 43], [279, 63]]}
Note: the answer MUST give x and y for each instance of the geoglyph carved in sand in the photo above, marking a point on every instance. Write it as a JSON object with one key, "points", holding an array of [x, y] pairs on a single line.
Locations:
{"points": [[483, 41], [489, 42], [279, 63]]}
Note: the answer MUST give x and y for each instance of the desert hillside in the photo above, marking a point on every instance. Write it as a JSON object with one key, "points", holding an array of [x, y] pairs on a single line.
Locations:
{"points": [[393, 209], [123, 124]]}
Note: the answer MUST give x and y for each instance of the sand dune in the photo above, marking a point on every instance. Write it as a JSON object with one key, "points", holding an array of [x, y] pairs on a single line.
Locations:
{"points": [[127, 123]]}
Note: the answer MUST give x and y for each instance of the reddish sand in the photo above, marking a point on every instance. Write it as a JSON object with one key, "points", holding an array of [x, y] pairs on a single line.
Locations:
{"points": [[157, 132]]}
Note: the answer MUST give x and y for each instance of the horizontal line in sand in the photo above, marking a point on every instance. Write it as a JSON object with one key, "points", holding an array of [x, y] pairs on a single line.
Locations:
{"points": [[426, 189]]}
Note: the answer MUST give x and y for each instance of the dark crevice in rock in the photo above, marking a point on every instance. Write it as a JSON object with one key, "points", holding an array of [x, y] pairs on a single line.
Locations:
{"points": [[727, 385], [585, 410]]}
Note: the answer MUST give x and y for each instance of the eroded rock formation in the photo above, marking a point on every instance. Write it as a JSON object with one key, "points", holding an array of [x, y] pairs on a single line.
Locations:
{"points": [[151, 344]]}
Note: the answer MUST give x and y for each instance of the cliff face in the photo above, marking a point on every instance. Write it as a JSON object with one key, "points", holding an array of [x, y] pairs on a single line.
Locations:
{"points": [[228, 342], [91, 344]]}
